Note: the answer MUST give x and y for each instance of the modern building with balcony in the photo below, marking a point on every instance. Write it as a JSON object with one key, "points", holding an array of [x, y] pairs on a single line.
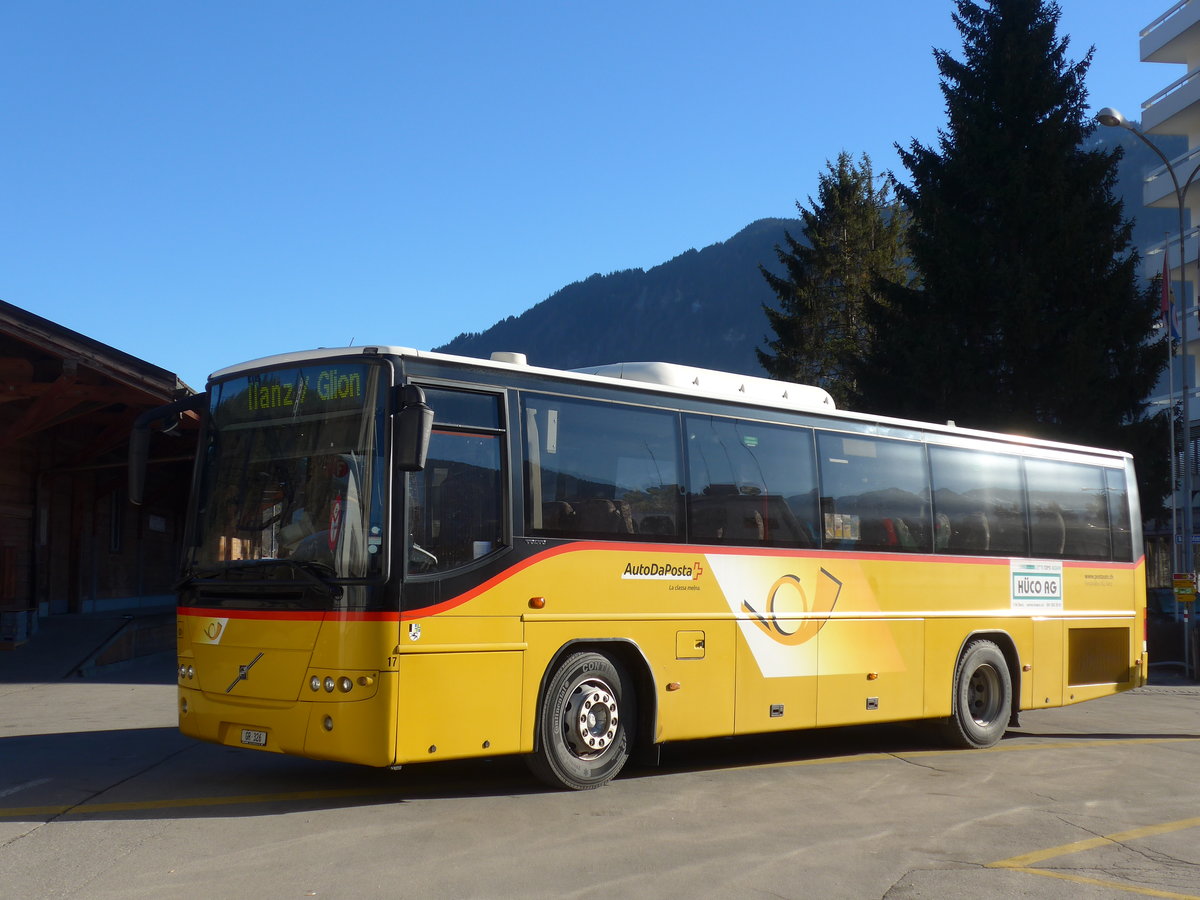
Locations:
{"points": [[1174, 38]]}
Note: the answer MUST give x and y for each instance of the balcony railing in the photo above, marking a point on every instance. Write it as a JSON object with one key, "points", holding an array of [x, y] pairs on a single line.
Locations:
{"points": [[1161, 19], [1170, 89], [1182, 163], [1172, 244]]}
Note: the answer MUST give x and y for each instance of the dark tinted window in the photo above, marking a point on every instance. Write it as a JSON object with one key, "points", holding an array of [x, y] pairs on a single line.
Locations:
{"points": [[601, 470], [978, 503], [750, 483], [463, 408], [1068, 510], [874, 494], [1118, 506]]}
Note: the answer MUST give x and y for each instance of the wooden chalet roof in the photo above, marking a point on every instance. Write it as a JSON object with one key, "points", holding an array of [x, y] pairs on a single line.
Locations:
{"points": [[51, 376]]}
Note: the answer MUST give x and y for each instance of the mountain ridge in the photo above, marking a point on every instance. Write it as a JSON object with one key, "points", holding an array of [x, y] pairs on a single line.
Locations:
{"points": [[705, 307]]}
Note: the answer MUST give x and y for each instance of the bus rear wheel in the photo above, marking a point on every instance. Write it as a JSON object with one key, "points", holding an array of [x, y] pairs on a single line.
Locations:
{"points": [[585, 723], [982, 697]]}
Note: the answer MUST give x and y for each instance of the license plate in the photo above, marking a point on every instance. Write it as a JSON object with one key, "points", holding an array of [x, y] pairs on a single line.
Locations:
{"points": [[254, 738]]}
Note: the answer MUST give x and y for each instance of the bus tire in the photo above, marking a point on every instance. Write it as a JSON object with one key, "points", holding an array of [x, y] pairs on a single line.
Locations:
{"points": [[585, 723], [982, 702]]}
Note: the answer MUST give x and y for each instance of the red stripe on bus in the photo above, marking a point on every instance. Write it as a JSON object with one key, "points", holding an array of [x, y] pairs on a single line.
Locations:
{"points": [[291, 616]]}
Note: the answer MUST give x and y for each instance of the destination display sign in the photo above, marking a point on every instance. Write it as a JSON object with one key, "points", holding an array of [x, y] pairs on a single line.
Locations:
{"points": [[328, 387]]}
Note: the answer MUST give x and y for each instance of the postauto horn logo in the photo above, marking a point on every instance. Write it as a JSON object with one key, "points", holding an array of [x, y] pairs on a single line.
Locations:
{"points": [[663, 571]]}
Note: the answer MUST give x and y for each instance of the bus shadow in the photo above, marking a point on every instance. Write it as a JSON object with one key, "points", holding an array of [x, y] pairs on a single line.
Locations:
{"points": [[1087, 737], [158, 774], [797, 747], [845, 744]]}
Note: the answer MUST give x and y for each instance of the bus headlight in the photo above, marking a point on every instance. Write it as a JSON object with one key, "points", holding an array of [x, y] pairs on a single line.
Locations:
{"points": [[340, 687]]}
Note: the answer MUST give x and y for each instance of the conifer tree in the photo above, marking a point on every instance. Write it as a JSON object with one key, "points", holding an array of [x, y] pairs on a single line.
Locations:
{"points": [[1030, 315], [852, 239]]}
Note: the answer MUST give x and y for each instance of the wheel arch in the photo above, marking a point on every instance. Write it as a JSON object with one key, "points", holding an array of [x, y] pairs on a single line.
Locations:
{"points": [[625, 653], [1012, 659]]}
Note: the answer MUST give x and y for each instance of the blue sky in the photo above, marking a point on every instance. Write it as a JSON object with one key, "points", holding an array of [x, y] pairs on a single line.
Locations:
{"points": [[200, 184]]}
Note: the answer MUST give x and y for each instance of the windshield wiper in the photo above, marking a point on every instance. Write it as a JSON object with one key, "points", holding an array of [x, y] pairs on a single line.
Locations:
{"points": [[316, 573], [196, 573], [267, 572]]}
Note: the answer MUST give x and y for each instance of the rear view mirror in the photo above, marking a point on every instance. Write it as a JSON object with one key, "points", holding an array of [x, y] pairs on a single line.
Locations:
{"points": [[139, 439], [414, 424]]}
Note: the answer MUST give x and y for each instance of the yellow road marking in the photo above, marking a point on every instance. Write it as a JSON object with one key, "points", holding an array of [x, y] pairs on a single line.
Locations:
{"points": [[1025, 862], [1115, 885]]}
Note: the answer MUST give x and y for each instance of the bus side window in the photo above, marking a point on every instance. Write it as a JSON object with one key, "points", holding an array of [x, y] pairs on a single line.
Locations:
{"points": [[978, 503], [1068, 506], [874, 494], [600, 470], [750, 483]]}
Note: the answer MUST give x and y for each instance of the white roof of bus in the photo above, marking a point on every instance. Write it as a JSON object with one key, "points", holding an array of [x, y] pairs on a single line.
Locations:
{"points": [[710, 382], [671, 378], [692, 380]]}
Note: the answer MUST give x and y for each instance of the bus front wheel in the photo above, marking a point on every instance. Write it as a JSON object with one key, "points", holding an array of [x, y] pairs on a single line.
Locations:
{"points": [[982, 697], [585, 723]]}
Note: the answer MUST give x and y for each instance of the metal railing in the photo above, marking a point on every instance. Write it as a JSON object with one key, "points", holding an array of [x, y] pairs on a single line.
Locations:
{"points": [[1190, 235], [1178, 162], [1170, 89], [1170, 12]]}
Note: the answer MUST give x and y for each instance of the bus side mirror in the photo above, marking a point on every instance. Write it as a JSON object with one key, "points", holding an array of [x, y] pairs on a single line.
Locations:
{"points": [[139, 440], [414, 424]]}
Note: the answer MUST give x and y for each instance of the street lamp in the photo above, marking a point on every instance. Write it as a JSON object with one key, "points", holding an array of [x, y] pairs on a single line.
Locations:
{"points": [[1113, 119]]}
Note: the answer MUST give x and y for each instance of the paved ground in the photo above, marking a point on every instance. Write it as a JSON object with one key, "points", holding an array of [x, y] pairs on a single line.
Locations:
{"points": [[100, 797]]}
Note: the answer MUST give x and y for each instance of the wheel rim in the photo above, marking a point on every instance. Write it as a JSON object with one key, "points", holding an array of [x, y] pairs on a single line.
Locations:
{"points": [[984, 696], [590, 719]]}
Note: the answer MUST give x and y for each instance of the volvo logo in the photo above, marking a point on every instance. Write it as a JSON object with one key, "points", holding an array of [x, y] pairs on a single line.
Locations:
{"points": [[243, 673]]}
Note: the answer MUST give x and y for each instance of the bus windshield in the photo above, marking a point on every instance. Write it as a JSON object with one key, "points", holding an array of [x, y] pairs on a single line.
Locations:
{"points": [[293, 469]]}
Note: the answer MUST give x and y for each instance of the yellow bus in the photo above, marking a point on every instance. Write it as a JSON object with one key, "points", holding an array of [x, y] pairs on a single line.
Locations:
{"points": [[396, 556]]}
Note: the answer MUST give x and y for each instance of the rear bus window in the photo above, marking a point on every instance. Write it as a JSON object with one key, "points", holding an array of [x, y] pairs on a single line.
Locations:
{"points": [[1118, 514], [1068, 510]]}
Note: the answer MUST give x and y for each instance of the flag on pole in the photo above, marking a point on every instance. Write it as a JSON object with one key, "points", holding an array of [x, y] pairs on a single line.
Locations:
{"points": [[1167, 303]]}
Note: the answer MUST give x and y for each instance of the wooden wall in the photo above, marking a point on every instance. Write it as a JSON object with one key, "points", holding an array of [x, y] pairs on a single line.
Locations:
{"points": [[70, 541]]}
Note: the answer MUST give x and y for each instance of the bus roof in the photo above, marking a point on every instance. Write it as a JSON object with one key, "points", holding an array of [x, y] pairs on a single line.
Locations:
{"points": [[670, 378], [712, 382]]}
